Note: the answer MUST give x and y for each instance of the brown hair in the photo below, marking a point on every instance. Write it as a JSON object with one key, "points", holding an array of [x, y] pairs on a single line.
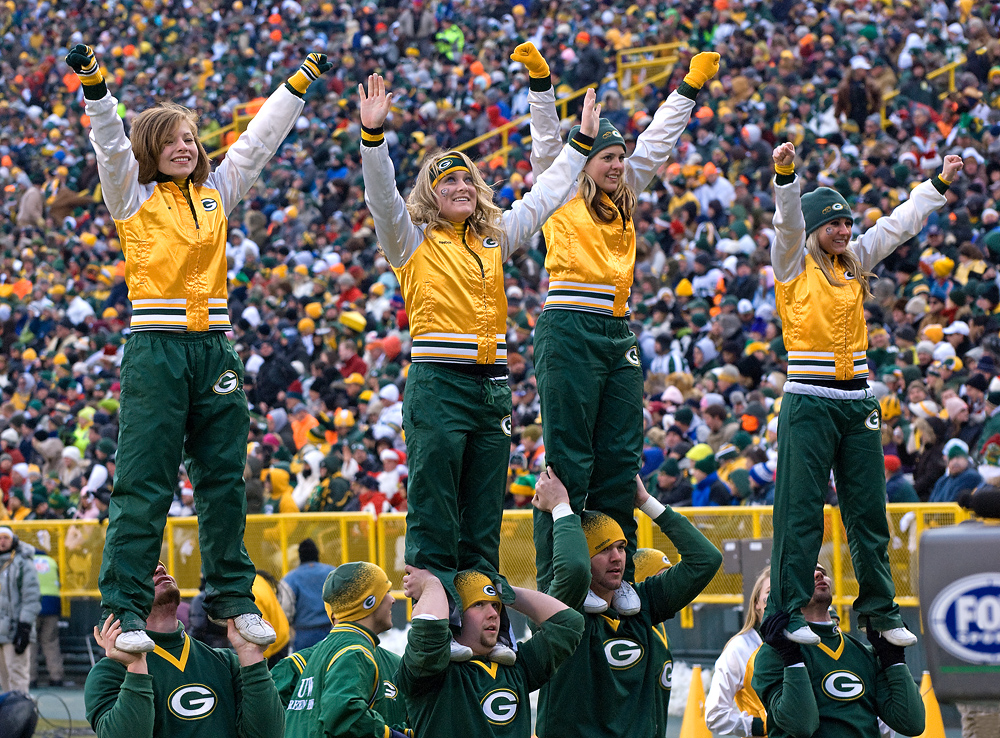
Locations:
{"points": [[622, 199], [151, 130], [423, 206]]}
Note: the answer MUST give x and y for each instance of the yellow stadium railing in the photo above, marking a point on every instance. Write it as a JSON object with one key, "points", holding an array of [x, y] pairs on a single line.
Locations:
{"points": [[948, 69], [272, 542], [243, 113]]}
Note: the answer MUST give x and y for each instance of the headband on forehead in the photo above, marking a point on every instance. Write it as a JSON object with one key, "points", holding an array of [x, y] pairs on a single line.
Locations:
{"points": [[450, 162]]}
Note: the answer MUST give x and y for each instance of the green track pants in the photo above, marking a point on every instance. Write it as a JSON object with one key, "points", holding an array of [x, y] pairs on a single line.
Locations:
{"points": [[457, 449], [590, 388], [181, 396], [815, 435]]}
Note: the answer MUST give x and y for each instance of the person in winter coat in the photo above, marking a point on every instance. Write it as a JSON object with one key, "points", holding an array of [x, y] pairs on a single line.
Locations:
{"points": [[20, 603]]}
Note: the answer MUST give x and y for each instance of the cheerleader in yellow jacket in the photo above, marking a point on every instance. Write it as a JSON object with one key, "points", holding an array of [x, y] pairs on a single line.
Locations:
{"points": [[447, 244]]}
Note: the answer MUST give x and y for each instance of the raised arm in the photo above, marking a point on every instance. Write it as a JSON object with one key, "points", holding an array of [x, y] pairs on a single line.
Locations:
{"points": [[397, 235], [907, 220], [782, 681], [674, 588], [259, 142], [897, 698], [116, 164], [788, 250], [427, 653], [119, 690], [570, 560], [655, 143], [546, 143], [552, 189]]}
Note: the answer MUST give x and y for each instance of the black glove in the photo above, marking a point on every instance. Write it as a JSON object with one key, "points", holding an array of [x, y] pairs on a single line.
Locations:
{"points": [[22, 637], [887, 653], [82, 60], [772, 630]]}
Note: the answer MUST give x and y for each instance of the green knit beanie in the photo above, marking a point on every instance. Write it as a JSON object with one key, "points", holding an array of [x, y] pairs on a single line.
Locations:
{"points": [[823, 205], [707, 465], [607, 135]]}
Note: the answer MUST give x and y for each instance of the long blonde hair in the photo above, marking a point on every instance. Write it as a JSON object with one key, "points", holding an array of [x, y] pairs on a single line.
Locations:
{"points": [[150, 131], [623, 199], [751, 619], [849, 259], [423, 207]]}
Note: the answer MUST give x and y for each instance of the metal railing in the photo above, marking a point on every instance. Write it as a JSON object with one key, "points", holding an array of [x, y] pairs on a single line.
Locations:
{"points": [[948, 69], [272, 542], [243, 113]]}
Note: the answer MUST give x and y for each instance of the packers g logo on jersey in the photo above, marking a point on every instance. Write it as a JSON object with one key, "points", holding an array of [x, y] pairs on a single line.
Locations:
{"points": [[843, 686], [490, 243], [622, 653], [500, 706], [390, 690], [209, 204], [632, 356], [872, 421], [192, 702], [227, 382], [667, 675]]}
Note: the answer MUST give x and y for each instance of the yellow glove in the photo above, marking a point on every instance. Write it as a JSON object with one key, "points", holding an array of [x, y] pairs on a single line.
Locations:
{"points": [[703, 67], [530, 57]]}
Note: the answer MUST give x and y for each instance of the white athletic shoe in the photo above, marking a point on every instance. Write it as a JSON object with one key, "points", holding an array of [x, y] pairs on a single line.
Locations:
{"points": [[899, 637], [460, 652], [503, 655], [803, 635], [134, 641], [255, 629], [594, 604], [626, 600]]}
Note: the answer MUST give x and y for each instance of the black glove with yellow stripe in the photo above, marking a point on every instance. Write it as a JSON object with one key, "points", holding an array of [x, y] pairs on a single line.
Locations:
{"points": [[314, 65], [82, 60]]}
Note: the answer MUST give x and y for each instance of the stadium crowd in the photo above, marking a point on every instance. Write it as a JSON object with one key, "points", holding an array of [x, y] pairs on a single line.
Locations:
{"points": [[318, 317]]}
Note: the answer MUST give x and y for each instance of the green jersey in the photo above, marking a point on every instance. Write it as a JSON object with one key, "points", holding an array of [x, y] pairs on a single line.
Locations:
{"points": [[190, 690], [616, 666], [839, 693], [337, 689], [390, 705], [480, 697], [661, 655]]}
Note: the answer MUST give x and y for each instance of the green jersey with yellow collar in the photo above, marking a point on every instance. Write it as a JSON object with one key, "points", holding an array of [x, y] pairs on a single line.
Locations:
{"points": [[190, 690], [840, 692]]}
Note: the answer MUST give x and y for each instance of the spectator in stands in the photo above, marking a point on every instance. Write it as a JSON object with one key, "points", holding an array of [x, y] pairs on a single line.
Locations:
{"points": [[310, 622], [20, 603]]}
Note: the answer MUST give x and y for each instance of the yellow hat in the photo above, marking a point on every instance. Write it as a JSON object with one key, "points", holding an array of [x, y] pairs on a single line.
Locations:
{"points": [[366, 396], [601, 531], [684, 288], [343, 417], [943, 266], [890, 407], [58, 289], [307, 326], [354, 378], [29, 354], [88, 238], [649, 562], [934, 332], [109, 312], [474, 587], [60, 359], [301, 269], [280, 271], [354, 590], [314, 310], [353, 320]]}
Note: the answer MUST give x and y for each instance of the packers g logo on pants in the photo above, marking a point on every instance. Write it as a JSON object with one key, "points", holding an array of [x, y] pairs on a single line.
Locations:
{"points": [[500, 706], [632, 356], [226, 383], [622, 653], [872, 421], [192, 702]]}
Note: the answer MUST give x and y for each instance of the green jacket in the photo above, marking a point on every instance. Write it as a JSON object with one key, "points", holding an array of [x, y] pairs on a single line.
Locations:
{"points": [[191, 690], [390, 705], [616, 666], [839, 692], [338, 688]]}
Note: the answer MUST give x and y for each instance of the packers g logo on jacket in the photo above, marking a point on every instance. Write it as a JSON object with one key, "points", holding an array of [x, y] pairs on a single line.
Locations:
{"points": [[667, 675], [500, 706], [843, 686], [622, 653], [390, 690], [209, 204], [192, 702]]}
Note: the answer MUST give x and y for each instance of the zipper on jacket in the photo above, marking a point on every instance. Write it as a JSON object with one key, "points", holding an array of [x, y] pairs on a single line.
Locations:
{"points": [[190, 202], [479, 261]]}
